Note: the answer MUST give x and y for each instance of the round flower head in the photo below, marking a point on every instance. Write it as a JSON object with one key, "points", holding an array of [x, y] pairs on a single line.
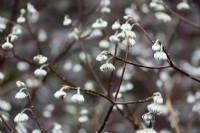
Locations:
{"points": [[40, 59], [107, 67], [163, 17], [78, 98], [21, 117], [105, 3], [156, 46], [157, 98], [126, 26], [148, 116], [114, 38], [67, 21], [105, 10], [154, 108], [183, 6], [20, 95], [7, 45], [60, 94], [99, 24], [40, 72], [20, 84], [116, 25], [160, 55], [101, 57], [21, 19], [104, 44]]}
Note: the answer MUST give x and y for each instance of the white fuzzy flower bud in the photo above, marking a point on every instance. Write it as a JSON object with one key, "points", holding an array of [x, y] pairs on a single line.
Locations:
{"points": [[7, 45], [105, 10], [101, 57], [60, 94], [20, 84], [40, 72], [21, 117], [20, 95], [156, 46], [126, 26], [1, 76], [67, 21], [183, 6], [104, 44], [104, 3], [78, 98], [148, 116], [163, 17], [116, 25], [154, 108], [114, 38], [159, 55], [40, 59], [5, 105], [107, 67], [157, 98], [99, 24]]}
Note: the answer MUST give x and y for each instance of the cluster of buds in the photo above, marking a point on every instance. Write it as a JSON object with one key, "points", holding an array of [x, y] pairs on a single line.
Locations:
{"points": [[106, 67], [76, 98], [155, 108], [159, 54]]}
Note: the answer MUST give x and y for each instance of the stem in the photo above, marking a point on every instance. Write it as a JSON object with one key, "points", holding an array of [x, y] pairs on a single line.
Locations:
{"points": [[92, 70], [173, 116], [8, 127], [180, 17], [111, 107], [34, 114]]}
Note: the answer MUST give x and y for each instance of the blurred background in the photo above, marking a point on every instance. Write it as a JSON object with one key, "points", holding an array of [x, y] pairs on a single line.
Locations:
{"points": [[44, 33]]}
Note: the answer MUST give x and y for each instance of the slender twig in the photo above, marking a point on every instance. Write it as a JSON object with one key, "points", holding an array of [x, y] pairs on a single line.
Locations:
{"points": [[91, 69], [117, 91], [180, 17], [33, 36], [60, 76], [34, 114], [173, 34], [173, 116], [179, 69], [8, 127], [172, 65], [22, 58], [135, 102], [13, 16], [140, 65]]}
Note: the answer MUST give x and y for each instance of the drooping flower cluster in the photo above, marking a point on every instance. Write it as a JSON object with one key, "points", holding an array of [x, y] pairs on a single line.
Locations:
{"points": [[106, 67], [40, 59], [155, 108], [104, 6], [159, 54], [23, 92], [21, 117], [126, 36], [78, 97], [60, 93], [99, 24], [160, 11]]}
